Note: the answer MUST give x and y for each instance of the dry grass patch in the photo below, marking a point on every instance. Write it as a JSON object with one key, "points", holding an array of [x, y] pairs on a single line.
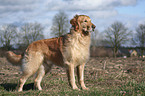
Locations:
{"points": [[104, 76]]}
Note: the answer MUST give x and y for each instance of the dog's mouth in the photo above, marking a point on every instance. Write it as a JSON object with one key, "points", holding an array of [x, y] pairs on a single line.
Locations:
{"points": [[89, 28]]}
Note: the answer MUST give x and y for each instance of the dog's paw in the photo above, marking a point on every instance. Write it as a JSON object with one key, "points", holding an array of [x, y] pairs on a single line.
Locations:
{"points": [[84, 88], [76, 88]]}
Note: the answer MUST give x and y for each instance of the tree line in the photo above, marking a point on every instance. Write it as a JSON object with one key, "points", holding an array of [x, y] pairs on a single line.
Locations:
{"points": [[114, 36], [11, 34], [118, 34]]}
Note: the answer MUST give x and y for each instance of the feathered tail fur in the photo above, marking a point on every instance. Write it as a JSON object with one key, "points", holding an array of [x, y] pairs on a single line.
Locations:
{"points": [[13, 58]]}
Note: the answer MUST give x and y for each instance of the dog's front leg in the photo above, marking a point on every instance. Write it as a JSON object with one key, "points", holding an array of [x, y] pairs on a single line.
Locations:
{"points": [[71, 76], [80, 73]]}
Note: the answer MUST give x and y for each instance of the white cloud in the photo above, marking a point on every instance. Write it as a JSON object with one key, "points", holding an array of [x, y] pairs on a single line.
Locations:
{"points": [[89, 5], [18, 5], [39, 6], [102, 12], [128, 2], [141, 21]]}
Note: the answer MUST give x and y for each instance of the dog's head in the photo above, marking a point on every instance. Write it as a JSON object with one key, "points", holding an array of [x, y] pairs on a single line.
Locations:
{"points": [[82, 23]]}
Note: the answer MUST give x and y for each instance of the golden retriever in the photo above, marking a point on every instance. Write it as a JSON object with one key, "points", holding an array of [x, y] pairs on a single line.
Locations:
{"points": [[69, 51]]}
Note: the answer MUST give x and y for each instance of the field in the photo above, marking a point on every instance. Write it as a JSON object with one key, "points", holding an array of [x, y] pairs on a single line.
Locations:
{"points": [[103, 76]]}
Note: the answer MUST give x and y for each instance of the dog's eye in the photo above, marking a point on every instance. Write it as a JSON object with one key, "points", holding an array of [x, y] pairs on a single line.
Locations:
{"points": [[85, 21]]}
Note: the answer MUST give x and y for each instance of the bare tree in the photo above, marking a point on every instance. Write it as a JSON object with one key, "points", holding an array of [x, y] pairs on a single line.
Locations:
{"points": [[60, 24], [8, 34], [116, 35], [140, 37], [32, 32], [97, 38]]}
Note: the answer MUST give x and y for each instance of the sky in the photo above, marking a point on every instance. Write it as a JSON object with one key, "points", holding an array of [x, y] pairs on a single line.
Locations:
{"points": [[102, 12]]}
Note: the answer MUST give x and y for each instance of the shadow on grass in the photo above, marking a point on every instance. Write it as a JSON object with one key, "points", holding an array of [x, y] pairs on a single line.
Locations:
{"points": [[12, 87]]}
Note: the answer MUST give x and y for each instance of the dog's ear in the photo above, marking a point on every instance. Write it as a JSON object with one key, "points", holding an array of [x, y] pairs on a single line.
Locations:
{"points": [[74, 22]]}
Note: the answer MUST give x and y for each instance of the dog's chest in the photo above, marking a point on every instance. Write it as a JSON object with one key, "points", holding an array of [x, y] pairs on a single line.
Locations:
{"points": [[77, 51]]}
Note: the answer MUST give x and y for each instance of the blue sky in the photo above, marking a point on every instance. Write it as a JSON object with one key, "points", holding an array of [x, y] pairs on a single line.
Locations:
{"points": [[138, 9], [102, 12]]}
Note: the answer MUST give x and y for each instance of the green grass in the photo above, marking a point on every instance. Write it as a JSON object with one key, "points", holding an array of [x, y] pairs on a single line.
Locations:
{"points": [[61, 88], [137, 90], [108, 82]]}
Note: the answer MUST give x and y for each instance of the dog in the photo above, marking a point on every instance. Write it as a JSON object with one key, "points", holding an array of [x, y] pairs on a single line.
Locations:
{"points": [[69, 51]]}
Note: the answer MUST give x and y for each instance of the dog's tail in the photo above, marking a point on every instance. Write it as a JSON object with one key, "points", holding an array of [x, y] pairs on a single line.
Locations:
{"points": [[13, 58]]}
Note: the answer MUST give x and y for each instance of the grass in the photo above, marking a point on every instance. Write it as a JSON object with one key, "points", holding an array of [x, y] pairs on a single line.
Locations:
{"points": [[120, 77]]}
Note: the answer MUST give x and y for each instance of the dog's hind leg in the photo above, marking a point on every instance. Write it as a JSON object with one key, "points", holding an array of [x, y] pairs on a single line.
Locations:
{"points": [[30, 64], [44, 69], [40, 74], [22, 81]]}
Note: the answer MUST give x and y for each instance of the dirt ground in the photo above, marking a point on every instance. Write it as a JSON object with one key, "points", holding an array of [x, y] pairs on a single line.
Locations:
{"points": [[99, 72]]}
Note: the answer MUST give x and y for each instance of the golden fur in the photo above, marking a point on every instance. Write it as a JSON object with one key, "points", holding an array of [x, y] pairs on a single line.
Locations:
{"points": [[69, 51]]}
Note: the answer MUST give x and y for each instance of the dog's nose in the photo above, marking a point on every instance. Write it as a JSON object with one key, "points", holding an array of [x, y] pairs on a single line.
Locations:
{"points": [[93, 27]]}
